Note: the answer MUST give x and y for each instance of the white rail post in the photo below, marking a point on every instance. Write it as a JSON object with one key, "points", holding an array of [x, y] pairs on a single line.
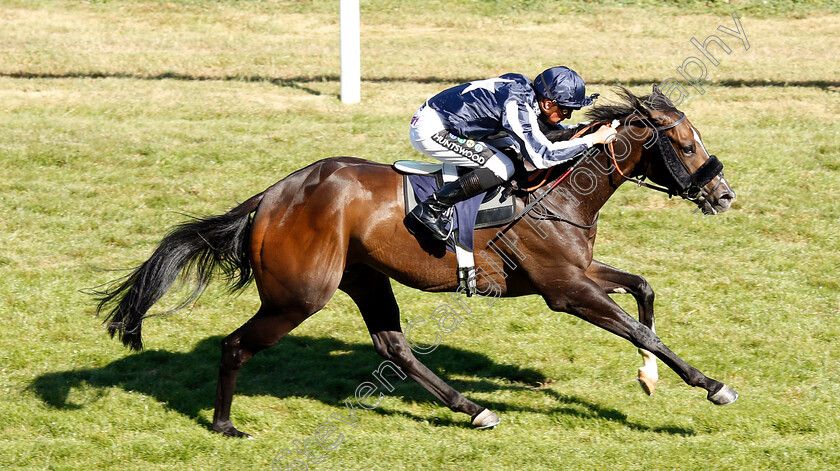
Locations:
{"points": [[351, 70]]}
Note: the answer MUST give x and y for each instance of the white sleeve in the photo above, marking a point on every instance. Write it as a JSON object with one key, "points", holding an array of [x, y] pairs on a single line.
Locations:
{"points": [[521, 120]]}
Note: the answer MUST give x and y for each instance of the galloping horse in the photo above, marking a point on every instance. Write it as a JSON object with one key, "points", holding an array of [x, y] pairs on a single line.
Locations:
{"points": [[339, 224]]}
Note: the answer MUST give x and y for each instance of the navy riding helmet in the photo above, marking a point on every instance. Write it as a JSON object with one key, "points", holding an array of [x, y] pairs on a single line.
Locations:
{"points": [[564, 87]]}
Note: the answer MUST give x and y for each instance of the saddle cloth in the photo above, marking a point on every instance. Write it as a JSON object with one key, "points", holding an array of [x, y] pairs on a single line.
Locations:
{"points": [[421, 179]]}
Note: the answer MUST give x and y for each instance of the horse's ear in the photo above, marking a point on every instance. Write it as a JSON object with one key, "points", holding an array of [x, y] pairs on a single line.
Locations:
{"points": [[658, 101], [645, 106], [657, 91], [655, 96]]}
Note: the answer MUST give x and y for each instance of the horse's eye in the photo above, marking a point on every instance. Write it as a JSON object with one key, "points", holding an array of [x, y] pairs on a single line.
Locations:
{"points": [[689, 149]]}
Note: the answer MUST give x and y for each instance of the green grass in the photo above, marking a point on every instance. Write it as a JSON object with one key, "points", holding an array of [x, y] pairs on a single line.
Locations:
{"points": [[116, 118]]}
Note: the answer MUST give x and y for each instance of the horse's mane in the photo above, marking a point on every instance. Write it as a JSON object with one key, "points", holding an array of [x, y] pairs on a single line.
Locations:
{"points": [[628, 104]]}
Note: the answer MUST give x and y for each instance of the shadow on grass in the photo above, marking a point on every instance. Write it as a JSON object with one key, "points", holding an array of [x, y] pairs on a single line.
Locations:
{"points": [[325, 369], [300, 82]]}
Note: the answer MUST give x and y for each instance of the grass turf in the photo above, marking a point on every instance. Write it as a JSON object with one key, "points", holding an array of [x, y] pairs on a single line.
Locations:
{"points": [[118, 117]]}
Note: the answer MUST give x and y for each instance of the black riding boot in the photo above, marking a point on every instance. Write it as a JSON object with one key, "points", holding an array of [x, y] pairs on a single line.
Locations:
{"points": [[433, 213]]}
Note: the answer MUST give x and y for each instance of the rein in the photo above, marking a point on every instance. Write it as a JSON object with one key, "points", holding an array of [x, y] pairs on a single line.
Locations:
{"points": [[611, 152], [545, 213], [579, 133], [711, 166], [640, 181]]}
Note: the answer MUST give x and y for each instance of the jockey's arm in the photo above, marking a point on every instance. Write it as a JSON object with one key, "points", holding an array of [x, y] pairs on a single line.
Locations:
{"points": [[521, 122]]}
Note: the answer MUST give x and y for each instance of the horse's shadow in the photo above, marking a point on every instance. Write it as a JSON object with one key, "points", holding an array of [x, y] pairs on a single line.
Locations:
{"points": [[325, 369]]}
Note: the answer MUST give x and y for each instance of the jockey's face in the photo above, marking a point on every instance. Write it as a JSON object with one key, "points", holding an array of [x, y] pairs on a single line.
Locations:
{"points": [[553, 113]]}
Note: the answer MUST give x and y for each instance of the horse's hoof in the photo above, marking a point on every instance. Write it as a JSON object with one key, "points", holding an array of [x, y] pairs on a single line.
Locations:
{"points": [[724, 396], [229, 430], [486, 419], [647, 383], [237, 434]]}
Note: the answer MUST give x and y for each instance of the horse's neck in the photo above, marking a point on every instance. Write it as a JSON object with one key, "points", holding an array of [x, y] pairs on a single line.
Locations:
{"points": [[588, 188]]}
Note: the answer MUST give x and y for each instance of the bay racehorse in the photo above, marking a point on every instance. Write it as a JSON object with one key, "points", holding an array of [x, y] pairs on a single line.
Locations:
{"points": [[338, 224]]}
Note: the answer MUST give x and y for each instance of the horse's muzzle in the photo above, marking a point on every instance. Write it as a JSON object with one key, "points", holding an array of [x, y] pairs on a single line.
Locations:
{"points": [[716, 199]]}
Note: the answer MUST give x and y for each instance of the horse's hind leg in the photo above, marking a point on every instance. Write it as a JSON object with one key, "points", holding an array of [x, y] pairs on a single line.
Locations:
{"points": [[613, 280], [371, 290], [265, 329]]}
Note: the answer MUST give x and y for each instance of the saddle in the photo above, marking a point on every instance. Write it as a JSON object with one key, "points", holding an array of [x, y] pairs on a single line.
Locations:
{"points": [[495, 208], [492, 209]]}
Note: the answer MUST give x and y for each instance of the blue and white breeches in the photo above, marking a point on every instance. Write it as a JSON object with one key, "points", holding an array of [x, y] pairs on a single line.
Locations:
{"points": [[430, 137]]}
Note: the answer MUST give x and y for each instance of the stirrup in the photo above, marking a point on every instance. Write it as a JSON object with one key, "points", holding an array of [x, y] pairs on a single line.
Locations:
{"points": [[433, 224], [466, 275], [445, 218]]}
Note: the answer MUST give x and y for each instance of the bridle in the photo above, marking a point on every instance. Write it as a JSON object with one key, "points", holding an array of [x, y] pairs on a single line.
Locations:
{"points": [[682, 183], [656, 130]]}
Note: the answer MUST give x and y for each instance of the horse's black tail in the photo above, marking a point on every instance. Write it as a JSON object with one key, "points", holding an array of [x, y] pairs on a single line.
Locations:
{"points": [[196, 248]]}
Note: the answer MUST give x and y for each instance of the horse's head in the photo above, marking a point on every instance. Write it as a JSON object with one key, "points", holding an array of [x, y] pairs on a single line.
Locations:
{"points": [[678, 160]]}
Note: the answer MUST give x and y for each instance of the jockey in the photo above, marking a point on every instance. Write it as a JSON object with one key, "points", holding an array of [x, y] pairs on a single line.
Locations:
{"points": [[461, 126]]}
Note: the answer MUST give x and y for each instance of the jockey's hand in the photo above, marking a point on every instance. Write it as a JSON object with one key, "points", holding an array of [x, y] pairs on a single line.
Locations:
{"points": [[603, 135]]}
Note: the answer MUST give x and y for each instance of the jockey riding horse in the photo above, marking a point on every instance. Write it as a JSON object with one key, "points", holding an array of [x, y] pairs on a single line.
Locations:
{"points": [[462, 126]]}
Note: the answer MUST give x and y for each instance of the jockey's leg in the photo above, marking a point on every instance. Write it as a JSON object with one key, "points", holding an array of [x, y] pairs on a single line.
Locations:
{"points": [[492, 167], [434, 212]]}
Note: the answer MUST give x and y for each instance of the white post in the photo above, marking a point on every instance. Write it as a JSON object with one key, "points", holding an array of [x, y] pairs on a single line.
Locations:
{"points": [[351, 69]]}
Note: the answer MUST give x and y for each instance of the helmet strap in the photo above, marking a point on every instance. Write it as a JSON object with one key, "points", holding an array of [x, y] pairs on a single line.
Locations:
{"points": [[547, 88]]}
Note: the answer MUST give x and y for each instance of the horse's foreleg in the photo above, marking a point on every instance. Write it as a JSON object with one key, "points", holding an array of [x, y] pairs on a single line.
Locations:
{"points": [[372, 293], [592, 304], [613, 280]]}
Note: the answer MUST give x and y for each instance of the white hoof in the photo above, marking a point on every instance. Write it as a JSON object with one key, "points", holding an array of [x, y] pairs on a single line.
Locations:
{"points": [[647, 382], [486, 419]]}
